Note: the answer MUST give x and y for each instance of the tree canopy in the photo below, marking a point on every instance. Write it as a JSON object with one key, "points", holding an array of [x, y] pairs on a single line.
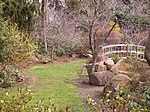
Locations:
{"points": [[21, 12]]}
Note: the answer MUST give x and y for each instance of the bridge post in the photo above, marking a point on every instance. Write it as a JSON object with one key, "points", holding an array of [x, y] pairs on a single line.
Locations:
{"points": [[137, 52], [127, 50]]}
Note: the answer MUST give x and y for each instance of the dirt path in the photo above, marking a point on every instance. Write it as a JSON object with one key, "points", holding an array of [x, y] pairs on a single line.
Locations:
{"points": [[95, 92], [29, 79], [85, 90]]}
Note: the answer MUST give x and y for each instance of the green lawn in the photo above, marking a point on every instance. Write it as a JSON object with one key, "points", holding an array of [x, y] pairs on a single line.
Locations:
{"points": [[51, 84]]}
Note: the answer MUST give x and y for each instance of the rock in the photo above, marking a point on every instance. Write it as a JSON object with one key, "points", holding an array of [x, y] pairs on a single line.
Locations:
{"points": [[147, 50], [89, 55], [73, 55], [119, 66], [98, 67], [39, 56], [120, 79], [145, 77], [109, 63], [100, 78], [46, 60], [102, 58], [33, 58], [89, 58]]}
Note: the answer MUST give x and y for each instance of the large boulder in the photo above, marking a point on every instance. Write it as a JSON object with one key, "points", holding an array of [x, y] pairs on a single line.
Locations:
{"points": [[147, 50], [102, 58], [120, 79], [98, 67], [100, 78], [119, 66], [109, 63], [145, 77]]}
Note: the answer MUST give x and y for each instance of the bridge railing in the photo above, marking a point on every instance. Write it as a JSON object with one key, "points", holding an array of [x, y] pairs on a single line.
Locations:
{"points": [[124, 50]]}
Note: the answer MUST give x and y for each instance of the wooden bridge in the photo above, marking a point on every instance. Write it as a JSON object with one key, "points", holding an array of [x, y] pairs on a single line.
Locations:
{"points": [[124, 50]]}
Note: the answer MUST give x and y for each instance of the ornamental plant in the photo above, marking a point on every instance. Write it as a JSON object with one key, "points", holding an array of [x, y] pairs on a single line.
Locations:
{"points": [[121, 102], [20, 103], [15, 47]]}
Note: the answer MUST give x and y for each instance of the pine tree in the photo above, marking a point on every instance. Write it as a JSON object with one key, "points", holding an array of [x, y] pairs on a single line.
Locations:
{"points": [[21, 12]]}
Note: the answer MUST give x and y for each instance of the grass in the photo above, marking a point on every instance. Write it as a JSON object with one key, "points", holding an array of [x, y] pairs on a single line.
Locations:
{"points": [[51, 84]]}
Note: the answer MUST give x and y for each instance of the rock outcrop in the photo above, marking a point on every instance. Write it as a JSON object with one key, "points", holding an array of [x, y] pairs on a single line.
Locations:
{"points": [[99, 67], [100, 78], [109, 63], [120, 79], [102, 58], [119, 66]]}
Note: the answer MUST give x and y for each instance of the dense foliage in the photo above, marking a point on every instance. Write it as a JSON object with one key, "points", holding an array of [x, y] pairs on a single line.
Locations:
{"points": [[19, 103], [9, 75], [15, 46], [21, 12], [121, 102]]}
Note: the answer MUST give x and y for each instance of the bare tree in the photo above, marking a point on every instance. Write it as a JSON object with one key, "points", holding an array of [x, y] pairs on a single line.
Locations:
{"points": [[95, 13], [57, 28]]}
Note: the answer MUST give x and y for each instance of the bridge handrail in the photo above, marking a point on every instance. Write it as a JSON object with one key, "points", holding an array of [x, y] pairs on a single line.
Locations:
{"points": [[117, 45], [124, 48], [123, 52]]}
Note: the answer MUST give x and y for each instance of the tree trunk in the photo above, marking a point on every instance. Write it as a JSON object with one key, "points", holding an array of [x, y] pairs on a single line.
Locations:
{"points": [[52, 54], [44, 20], [147, 50], [96, 51]]}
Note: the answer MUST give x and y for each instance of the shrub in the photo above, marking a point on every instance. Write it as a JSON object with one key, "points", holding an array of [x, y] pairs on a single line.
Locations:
{"points": [[9, 75], [116, 58], [146, 95], [20, 103], [15, 46], [121, 102]]}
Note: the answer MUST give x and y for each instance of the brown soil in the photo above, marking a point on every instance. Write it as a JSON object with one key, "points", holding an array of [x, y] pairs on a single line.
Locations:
{"points": [[29, 80], [95, 92], [85, 89], [60, 60]]}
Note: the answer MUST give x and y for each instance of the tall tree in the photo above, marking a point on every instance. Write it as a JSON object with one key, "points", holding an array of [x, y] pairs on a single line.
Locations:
{"points": [[21, 12], [95, 13], [44, 9]]}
